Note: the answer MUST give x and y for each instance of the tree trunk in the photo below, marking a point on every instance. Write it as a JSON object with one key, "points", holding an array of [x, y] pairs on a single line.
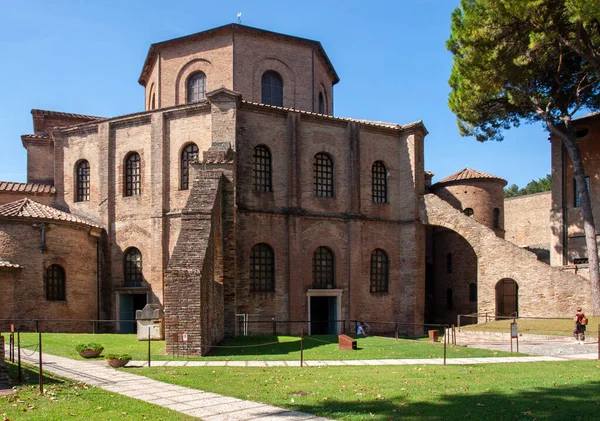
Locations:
{"points": [[589, 226]]}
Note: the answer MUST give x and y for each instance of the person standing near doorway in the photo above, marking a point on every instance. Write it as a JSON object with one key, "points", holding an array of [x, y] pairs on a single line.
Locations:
{"points": [[580, 323]]}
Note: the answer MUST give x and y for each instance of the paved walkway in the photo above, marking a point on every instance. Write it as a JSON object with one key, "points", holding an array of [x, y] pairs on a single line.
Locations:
{"points": [[214, 407]]}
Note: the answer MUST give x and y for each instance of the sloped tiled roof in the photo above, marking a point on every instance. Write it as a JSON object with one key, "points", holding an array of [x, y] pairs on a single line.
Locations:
{"points": [[67, 115], [6, 264], [35, 136], [27, 208], [10, 186], [469, 174]]}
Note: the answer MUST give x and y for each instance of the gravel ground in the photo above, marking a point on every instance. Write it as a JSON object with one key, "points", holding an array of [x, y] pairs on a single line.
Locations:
{"points": [[556, 348]]}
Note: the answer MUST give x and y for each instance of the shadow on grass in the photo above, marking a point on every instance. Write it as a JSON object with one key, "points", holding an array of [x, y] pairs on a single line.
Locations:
{"points": [[268, 345], [29, 375], [558, 403]]}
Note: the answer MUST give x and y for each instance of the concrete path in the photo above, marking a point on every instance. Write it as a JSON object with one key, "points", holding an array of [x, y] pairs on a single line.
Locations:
{"points": [[214, 407]]}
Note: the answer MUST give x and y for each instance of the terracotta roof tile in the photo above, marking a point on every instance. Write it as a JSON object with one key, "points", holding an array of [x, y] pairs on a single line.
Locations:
{"points": [[6, 264], [469, 174], [26, 187], [27, 208], [68, 115]]}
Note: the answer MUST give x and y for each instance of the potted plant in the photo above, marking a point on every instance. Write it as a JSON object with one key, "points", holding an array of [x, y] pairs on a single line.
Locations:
{"points": [[117, 360], [91, 350]]}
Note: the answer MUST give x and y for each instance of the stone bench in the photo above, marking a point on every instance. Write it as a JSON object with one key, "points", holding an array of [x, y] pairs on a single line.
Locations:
{"points": [[346, 342]]}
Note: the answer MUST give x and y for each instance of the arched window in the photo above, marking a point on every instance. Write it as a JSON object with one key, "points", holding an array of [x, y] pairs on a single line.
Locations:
{"points": [[132, 268], [469, 212], [473, 292], [83, 181], [323, 268], [189, 154], [262, 169], [496, 217], [196, 87], [321, 103], [379, 182], [262, 268], [379, 271], [55, 281], [272, 89], [323, 169], [133, 180]]}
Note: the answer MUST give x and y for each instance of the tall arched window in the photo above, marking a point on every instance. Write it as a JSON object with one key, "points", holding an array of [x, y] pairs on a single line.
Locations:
{"points": [[132, 268], [83, 181], [379, 271], [272, 89], [55, 281], [262, 169], [379, 182], [133, 175], [321, 103], [323, 170], [189, 154], [323, 268], [262, 268], [496, 217], [196, 87]]}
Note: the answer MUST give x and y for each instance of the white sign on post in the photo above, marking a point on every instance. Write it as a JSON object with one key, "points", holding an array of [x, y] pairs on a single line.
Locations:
{"points": [[514, 333], [185, 337]]}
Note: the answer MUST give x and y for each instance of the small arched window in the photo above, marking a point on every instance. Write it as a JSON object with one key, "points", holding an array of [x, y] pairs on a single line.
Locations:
{"points": [[323, 170], [379, 271], [55, 281], [196, 87], [469, 212], [189, 154], [321, 103], [83, 181], [133, 175], [262, 169], [323, 268], [496, 217], [132, 268], [379, 182], [272, 89], [262, 268]]}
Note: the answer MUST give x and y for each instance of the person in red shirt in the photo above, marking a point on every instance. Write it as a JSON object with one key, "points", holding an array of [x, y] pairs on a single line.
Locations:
{"points": [[579, 331]]}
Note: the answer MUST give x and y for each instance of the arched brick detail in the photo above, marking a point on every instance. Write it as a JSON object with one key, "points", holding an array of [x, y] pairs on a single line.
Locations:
{"points": [[543, 290], [287, 75], [193, 66]]}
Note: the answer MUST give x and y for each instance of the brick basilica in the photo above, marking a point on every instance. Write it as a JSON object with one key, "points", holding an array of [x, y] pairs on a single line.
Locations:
{"points": [[237, 195]]}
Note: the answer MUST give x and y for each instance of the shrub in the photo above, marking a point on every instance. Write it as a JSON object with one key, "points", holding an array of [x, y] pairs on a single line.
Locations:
{"points": [[118, 357], [92, 346]]}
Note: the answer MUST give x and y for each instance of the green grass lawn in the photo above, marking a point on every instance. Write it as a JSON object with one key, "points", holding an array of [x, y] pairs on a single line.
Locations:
{"points": [[523, 391], [69, 400], [560, 327], [286, 348]]}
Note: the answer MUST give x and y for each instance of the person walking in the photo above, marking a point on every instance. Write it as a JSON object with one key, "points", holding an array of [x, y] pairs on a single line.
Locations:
{"points": [[580, 323]]}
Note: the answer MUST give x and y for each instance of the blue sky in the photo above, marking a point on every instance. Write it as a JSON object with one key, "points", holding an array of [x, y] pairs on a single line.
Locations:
{"points": [[85, 57]]}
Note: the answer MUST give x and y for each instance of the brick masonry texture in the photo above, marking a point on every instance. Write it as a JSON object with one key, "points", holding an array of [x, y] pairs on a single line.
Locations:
{"points": [[3, 372], [527, 219]]}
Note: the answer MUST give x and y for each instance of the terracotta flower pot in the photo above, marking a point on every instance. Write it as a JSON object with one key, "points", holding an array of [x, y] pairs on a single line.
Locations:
{"points": [[117, 363], [90, 353]]}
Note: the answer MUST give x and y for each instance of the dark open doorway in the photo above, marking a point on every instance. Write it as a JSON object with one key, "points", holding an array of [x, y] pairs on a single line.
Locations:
{"points": [[128, 304], [323, 315]]}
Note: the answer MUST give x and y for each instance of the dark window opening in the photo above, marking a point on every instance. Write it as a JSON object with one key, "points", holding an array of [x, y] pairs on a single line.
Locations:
{"points": [[262, 169], [133, 180], [196, 87], [55, 280], [379, 271], [262, 268], [379, 182], [472, 292], [133, 268], [83, 182], [321, 103], [323, 170], [323, 269], [272, 89], [577, 197], [469, 212], [496, 217], [188, 155]]}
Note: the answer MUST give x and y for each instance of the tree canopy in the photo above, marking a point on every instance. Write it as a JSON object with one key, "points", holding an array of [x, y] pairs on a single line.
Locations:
{"points": [[529, 61], [541, 185]]}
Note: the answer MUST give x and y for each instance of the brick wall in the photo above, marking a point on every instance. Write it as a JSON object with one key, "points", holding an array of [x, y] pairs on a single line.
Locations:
{"points": [[527, 219], [3, 372]]}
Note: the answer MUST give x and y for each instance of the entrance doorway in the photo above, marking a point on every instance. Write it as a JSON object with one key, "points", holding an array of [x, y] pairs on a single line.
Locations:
{"points": [[128, 304], [507, 298], [323, 315]]}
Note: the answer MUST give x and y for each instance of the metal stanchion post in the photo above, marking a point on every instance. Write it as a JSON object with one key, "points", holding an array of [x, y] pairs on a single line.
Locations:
{"points": [[445, 340], [396, 331], [37, 327], [19, 370], [274, 326], [148, 346], [301, 347]]}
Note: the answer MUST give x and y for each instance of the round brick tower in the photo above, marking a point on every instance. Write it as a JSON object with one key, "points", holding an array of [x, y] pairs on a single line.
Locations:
{"points": [[477, 194]]}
